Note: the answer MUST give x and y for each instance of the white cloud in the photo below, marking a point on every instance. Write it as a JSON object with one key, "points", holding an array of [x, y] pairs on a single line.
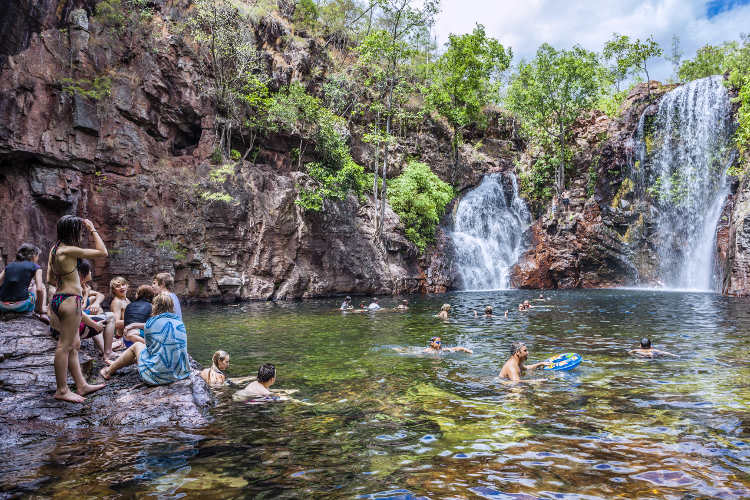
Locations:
{"points": [[526, 24]]}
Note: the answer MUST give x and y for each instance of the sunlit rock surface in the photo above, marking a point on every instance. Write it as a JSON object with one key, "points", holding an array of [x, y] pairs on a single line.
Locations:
{"points": [[27, 385]]}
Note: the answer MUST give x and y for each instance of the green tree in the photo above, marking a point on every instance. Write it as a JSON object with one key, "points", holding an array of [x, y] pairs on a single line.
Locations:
{"points": [[631, 56], [549, 94], [237, 80], [709, 60], [419, 198], [334, 173], [466, 80], [384, 54]]}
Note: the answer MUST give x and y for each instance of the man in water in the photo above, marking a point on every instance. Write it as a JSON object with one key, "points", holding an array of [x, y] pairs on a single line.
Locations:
{"points": [[403, 306], [646, 351], [436, 345], [514, 367], [347, 304], [259, 387], [374, 306]]}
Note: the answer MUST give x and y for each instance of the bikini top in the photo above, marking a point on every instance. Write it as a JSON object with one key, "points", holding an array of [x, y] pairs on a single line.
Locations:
{"points": [[54, 260]]}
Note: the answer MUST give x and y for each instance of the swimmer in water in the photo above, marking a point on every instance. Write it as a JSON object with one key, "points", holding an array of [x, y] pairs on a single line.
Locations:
{"points": [[514, 367], [347, 304], [487, 312], [646, 351], [259, 388], [436, 345], [444, 310], [403, 306], [214, 376]]}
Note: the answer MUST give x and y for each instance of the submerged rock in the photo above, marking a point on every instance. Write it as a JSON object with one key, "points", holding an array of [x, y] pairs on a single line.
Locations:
{"points": [[27, 386]]}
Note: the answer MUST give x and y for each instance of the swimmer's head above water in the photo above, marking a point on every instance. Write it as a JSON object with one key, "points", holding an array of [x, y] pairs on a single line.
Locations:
{"points": [[645, 343], [267, 374], [519, 349], [436, 343]]}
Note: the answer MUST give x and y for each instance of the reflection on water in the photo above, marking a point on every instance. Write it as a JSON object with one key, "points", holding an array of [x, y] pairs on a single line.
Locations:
{"points": [[385, 424]]}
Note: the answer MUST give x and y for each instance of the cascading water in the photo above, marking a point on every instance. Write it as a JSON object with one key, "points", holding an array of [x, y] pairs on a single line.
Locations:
{"points": [[488, 233], [683, 153]]}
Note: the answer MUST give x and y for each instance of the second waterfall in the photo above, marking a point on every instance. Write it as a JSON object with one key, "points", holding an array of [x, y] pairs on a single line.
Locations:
{"points": [[488, 233]]}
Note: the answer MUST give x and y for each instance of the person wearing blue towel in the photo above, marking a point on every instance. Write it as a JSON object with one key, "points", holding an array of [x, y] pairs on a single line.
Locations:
{"points": [[163, 359], [514, 367]]}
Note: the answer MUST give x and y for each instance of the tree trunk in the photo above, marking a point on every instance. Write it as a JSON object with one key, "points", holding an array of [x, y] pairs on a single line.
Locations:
{"points": [[383, 187], [375, 174]]}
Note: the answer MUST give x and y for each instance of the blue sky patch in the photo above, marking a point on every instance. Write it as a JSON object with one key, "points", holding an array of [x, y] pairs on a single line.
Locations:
{"points": [[716, 7]]}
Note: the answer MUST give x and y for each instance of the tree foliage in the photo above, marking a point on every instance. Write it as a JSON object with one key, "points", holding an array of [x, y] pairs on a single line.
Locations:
{"points": [[238, 80], [466, 78], [631, 55], [549, 93], [419, 198], [334, 172]]}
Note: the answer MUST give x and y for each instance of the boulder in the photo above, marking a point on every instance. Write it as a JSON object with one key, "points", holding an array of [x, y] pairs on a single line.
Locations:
{"points": [[27, 386]]}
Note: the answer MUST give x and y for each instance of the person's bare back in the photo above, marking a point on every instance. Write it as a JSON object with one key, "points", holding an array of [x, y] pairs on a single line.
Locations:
{"points": [[514, 368]]}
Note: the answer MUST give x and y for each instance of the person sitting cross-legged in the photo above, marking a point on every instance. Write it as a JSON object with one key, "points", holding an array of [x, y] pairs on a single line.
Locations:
{"points": [[163, 359]]}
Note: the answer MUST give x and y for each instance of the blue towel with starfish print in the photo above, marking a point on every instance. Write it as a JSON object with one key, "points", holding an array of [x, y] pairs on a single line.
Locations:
{"points": [[165, 358]]}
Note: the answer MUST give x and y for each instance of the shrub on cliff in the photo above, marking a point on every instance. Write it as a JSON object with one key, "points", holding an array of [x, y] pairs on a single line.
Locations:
{"points": [[419, 198]]}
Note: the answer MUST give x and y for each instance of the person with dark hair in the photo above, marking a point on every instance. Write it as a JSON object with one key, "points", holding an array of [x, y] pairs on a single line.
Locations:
{"points": [[66, 304], [347, 304], [21, 283], [99, 327], [436, 346], [514, 367], [259, 387], [646, 351], [163, 358], [164, 282], [137, 314]]}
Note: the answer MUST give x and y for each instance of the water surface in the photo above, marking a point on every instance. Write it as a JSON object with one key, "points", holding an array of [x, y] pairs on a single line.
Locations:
{"points": [[384, 424]]}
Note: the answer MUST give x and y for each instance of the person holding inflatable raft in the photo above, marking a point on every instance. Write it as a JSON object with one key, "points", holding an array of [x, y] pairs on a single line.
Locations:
{"points": [[514, 367]]}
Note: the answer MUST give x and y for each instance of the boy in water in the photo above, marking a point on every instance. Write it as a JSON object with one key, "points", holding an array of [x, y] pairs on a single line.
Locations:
{"points": [[646, 351], [514, 367], [347, 304], [436, 345], [259, 387]]}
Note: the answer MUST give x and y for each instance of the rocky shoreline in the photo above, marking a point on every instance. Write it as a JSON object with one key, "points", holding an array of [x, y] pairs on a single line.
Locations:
{"points": [[27, 385]]}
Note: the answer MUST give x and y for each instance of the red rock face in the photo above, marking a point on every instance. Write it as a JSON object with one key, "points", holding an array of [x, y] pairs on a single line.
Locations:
{"points": [[135, 162]]}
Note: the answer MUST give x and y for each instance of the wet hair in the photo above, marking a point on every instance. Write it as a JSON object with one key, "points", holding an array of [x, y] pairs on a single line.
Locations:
{"points": [[515, 347], [446, 307], [645, 343], [348, 299], [116, 281], [488, 310], [166, 280], [145, 292], [266, 372], [219, 356], [84, 267], [27, 251], [69, 230], [162, 303]]}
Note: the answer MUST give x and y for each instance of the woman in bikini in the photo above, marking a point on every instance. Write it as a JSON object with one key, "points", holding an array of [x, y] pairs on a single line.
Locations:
{"points": [[65, 305], [215, 375]]}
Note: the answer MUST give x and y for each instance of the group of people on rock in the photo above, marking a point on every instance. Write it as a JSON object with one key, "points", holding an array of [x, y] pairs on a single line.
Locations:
{"points": [[150, 328]]}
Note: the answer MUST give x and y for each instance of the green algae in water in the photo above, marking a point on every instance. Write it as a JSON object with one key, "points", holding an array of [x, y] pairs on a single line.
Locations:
{"points": [[439, 426]]}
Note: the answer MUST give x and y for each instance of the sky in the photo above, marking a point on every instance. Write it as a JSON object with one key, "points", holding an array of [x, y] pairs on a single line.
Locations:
{"points": [[526, 24]]}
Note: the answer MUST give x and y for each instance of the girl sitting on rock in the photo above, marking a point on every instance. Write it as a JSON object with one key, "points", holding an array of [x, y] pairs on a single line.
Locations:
{"points": [[215, 376], [21, 282], [163, 359]]}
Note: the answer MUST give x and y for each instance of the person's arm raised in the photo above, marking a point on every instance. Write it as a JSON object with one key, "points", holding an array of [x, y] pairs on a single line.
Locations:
{"points": [[89, 253]]}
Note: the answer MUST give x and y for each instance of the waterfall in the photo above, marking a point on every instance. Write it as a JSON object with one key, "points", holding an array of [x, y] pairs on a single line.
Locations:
{"points": [[488, 231], [683, 152]]}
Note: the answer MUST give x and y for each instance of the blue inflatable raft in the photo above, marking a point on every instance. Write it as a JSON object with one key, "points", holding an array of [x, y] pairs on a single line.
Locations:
{"points": [[564, 362]]}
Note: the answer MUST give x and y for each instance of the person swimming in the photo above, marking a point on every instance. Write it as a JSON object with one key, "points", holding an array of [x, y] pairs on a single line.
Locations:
{"points": [[514, 367], [444, 311], [646, 351], [436, 346], [259, 388], [214, 376], [347, 304], [403, 306]]}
